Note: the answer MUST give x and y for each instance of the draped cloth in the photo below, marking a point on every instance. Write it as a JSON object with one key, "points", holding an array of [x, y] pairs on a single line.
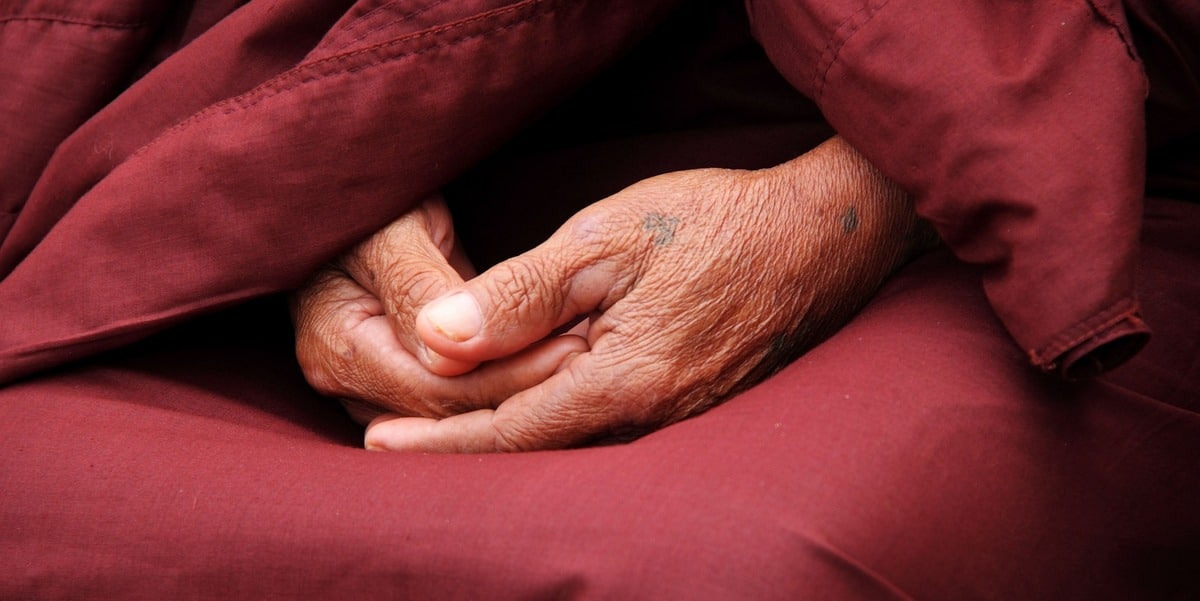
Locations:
{"points": [[168, 171]]}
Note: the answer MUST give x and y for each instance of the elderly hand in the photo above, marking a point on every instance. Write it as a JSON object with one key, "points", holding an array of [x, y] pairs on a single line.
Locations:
{"points": [[698, 284], [354, 328]]}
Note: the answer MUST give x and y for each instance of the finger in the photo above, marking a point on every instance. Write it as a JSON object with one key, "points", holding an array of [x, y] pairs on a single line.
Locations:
{"points": [[388, 377], [323, 311], [347, 350], [456, 434], [327, 288], [585, 266], [561, 412], [325, 314], [410, 262]]}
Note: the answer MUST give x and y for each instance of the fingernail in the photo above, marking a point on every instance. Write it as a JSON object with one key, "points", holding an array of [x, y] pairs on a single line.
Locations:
{"points": [[439, 365], [428, 358], [375, 439], [456, 317]]}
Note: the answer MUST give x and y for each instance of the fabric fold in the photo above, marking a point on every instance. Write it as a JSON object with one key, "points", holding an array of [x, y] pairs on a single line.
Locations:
{"points": [[1018, 128], [251, 193]]}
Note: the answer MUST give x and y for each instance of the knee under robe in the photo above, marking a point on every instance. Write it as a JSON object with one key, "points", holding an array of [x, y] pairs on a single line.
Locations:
{"points": [[167, 173]]}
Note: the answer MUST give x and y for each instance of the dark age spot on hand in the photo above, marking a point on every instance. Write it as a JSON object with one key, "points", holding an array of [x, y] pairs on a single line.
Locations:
{"points": [[662, 226], [849, 220]]}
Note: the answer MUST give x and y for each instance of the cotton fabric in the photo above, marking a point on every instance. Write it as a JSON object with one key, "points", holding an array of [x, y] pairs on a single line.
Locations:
{"points": [[168, 173]]}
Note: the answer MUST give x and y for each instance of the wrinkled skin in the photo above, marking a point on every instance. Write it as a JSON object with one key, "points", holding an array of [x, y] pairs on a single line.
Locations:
{"points": [[355, 339], [695, 285]]}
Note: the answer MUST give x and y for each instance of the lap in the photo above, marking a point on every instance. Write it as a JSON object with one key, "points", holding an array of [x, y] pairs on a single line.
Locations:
{"points": [[913, 455]]}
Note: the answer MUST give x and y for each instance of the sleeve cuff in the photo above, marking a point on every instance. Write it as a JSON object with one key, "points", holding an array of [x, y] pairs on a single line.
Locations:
{"points": [[1096, 346]]}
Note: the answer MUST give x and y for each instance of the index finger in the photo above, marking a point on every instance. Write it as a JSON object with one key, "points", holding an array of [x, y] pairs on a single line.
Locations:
{"points": [[405, 265], [563, 411]]}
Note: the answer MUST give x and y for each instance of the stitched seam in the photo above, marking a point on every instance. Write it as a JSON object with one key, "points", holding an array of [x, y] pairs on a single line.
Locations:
{"points": [[303, 74], [1080, 332], [401, 19], [842, 34], [101, 333], [68, 20]]}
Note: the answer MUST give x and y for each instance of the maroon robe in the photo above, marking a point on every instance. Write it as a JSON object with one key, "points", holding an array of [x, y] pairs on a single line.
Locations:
{"points": [[165, 172]]}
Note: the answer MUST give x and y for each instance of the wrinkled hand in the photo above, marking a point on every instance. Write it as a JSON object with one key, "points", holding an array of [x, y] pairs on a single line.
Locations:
{"points": [[698, 284], [355, 338]]}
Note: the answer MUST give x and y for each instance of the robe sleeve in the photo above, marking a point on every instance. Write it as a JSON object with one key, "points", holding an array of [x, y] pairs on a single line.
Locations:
{"points": [[1019, 129]]}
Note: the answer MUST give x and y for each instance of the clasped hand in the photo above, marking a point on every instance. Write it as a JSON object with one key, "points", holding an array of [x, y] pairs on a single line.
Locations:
{"points": [[686, 288]]}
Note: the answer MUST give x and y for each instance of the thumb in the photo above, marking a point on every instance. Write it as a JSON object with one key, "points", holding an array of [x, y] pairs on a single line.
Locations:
{"points": [[526, 298]]}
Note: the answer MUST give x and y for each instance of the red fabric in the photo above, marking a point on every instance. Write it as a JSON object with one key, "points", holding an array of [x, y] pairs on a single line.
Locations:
{"points": [[248, 158], [1019, 129], [57, 82], [912, 456]]}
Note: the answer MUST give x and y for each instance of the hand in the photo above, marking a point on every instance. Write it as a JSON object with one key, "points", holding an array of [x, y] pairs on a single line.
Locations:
{"points": [[698, 283], [355, 337]]}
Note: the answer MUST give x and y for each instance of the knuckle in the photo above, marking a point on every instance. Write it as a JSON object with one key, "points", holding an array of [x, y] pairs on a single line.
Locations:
{"points": [[516, 279], [418, 283], [321, 378], [312, 299], [506, 442], [408, 286], [631, 387], [326, 366], [327, 353], [426, 396], [599, 232], [591, 226], [511, 437], [521, 288]]}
